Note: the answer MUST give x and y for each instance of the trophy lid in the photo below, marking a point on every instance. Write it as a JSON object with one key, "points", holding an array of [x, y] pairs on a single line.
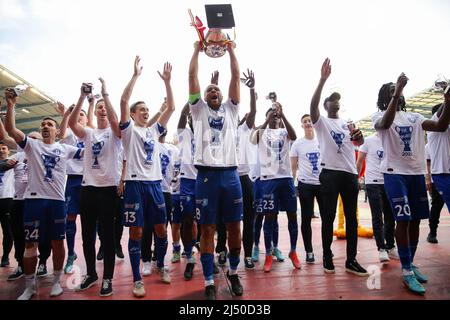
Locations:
{"points": [[219, 16]]}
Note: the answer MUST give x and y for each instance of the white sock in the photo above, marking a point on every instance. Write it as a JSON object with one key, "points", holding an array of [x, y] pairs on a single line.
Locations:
{"points": [[407, 272], [209, 282], [30, 280], [232, 272], [56, 276]]}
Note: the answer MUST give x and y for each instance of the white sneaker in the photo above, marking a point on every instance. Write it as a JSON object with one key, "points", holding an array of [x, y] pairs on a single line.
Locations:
{"points": [[164, 273], [393, 254], [28, 293], [139, 290], [383, 255], [147, 269], [56, 290]]}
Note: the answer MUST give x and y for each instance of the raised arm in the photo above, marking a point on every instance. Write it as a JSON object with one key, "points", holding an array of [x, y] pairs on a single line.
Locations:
{"points": [[157, 115], [64, 113], [10, 122], [388, 118], [234, 91], [194, 84], [126, 95], [77, 128], [90, 113], [290, 130], [4, 137], [249, 80], [166, 76], [183, 117], [110, 112], [443, 121], [324, 74], [255, 136]]}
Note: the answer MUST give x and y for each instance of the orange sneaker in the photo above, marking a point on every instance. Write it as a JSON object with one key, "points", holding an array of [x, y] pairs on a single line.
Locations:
{"points": [[268, 263], [294, 259]]}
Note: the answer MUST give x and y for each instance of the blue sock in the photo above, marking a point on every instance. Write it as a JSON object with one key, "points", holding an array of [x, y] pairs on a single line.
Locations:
{"points": [[275, 233], [188, 251], [176, 248], [412, 249], [405, 257], [161, 249], [207, 260], [71, 230], [257, 228], [194, 241], [268, 234], [234, 261], [293, 233], [134, 250]]}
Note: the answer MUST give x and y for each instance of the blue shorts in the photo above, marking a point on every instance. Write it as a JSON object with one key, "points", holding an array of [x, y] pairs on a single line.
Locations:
{"points": [[442, 183], [407, 195], [187, 197], [218, 196], [176, 209], [277, 195], [257, 196], [44, 220], [73, 190], [143, 200]]}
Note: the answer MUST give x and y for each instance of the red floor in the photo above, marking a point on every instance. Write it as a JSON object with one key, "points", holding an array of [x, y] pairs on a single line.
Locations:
{"points": [[282, 283]]}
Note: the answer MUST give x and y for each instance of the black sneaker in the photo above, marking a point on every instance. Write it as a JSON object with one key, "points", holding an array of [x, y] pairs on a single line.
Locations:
{"points": [[328, 265], [310, 257], [355, 268], [216, 268], [17, 274], [106, 288], [210, 292], [249, 263], [41, 271], [432, 238], [188, 272], [5, 262], [236, 286], [222, 259], [87, 282], [119, 252], [100, 254]]}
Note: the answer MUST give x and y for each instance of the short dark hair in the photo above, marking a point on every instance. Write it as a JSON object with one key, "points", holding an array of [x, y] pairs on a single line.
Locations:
{"points": [[51, 119], [304, 116], [134, 106], [98, 101], [333, 97], [435, 108], [84, 112]]}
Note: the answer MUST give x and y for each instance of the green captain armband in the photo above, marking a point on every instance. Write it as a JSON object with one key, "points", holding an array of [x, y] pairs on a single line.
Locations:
{"points": [[194, 97]]}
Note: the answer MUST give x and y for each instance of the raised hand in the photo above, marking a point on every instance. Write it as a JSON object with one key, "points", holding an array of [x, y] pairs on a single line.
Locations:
{"points": [[103, 86], [215, 78], [137, 67], [401, 83], [167, 72], [60, 108], [326, 69], [11, 97], [249, 79]]}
